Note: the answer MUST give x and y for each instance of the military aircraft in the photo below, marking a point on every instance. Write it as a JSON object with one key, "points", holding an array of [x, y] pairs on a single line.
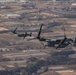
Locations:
{"points": [[24, 35], [57, 43], [21, 34]]}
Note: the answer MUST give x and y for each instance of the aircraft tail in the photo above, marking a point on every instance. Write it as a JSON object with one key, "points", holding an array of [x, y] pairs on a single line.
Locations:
{"points": [[15, 31]]}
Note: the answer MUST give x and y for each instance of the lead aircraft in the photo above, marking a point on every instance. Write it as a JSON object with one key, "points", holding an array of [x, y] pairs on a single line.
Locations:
{"points": [[56, 43]]}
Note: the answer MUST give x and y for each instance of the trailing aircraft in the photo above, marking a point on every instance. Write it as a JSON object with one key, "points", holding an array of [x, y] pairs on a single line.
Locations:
{"points": [[21, 34], [24, 35]]}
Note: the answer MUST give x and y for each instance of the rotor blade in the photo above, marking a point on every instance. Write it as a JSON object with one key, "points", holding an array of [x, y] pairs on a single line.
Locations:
{"points": [[70, 41], [14, 31], [64, 30], [61, 42], [25, 35], [39, 33]]}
